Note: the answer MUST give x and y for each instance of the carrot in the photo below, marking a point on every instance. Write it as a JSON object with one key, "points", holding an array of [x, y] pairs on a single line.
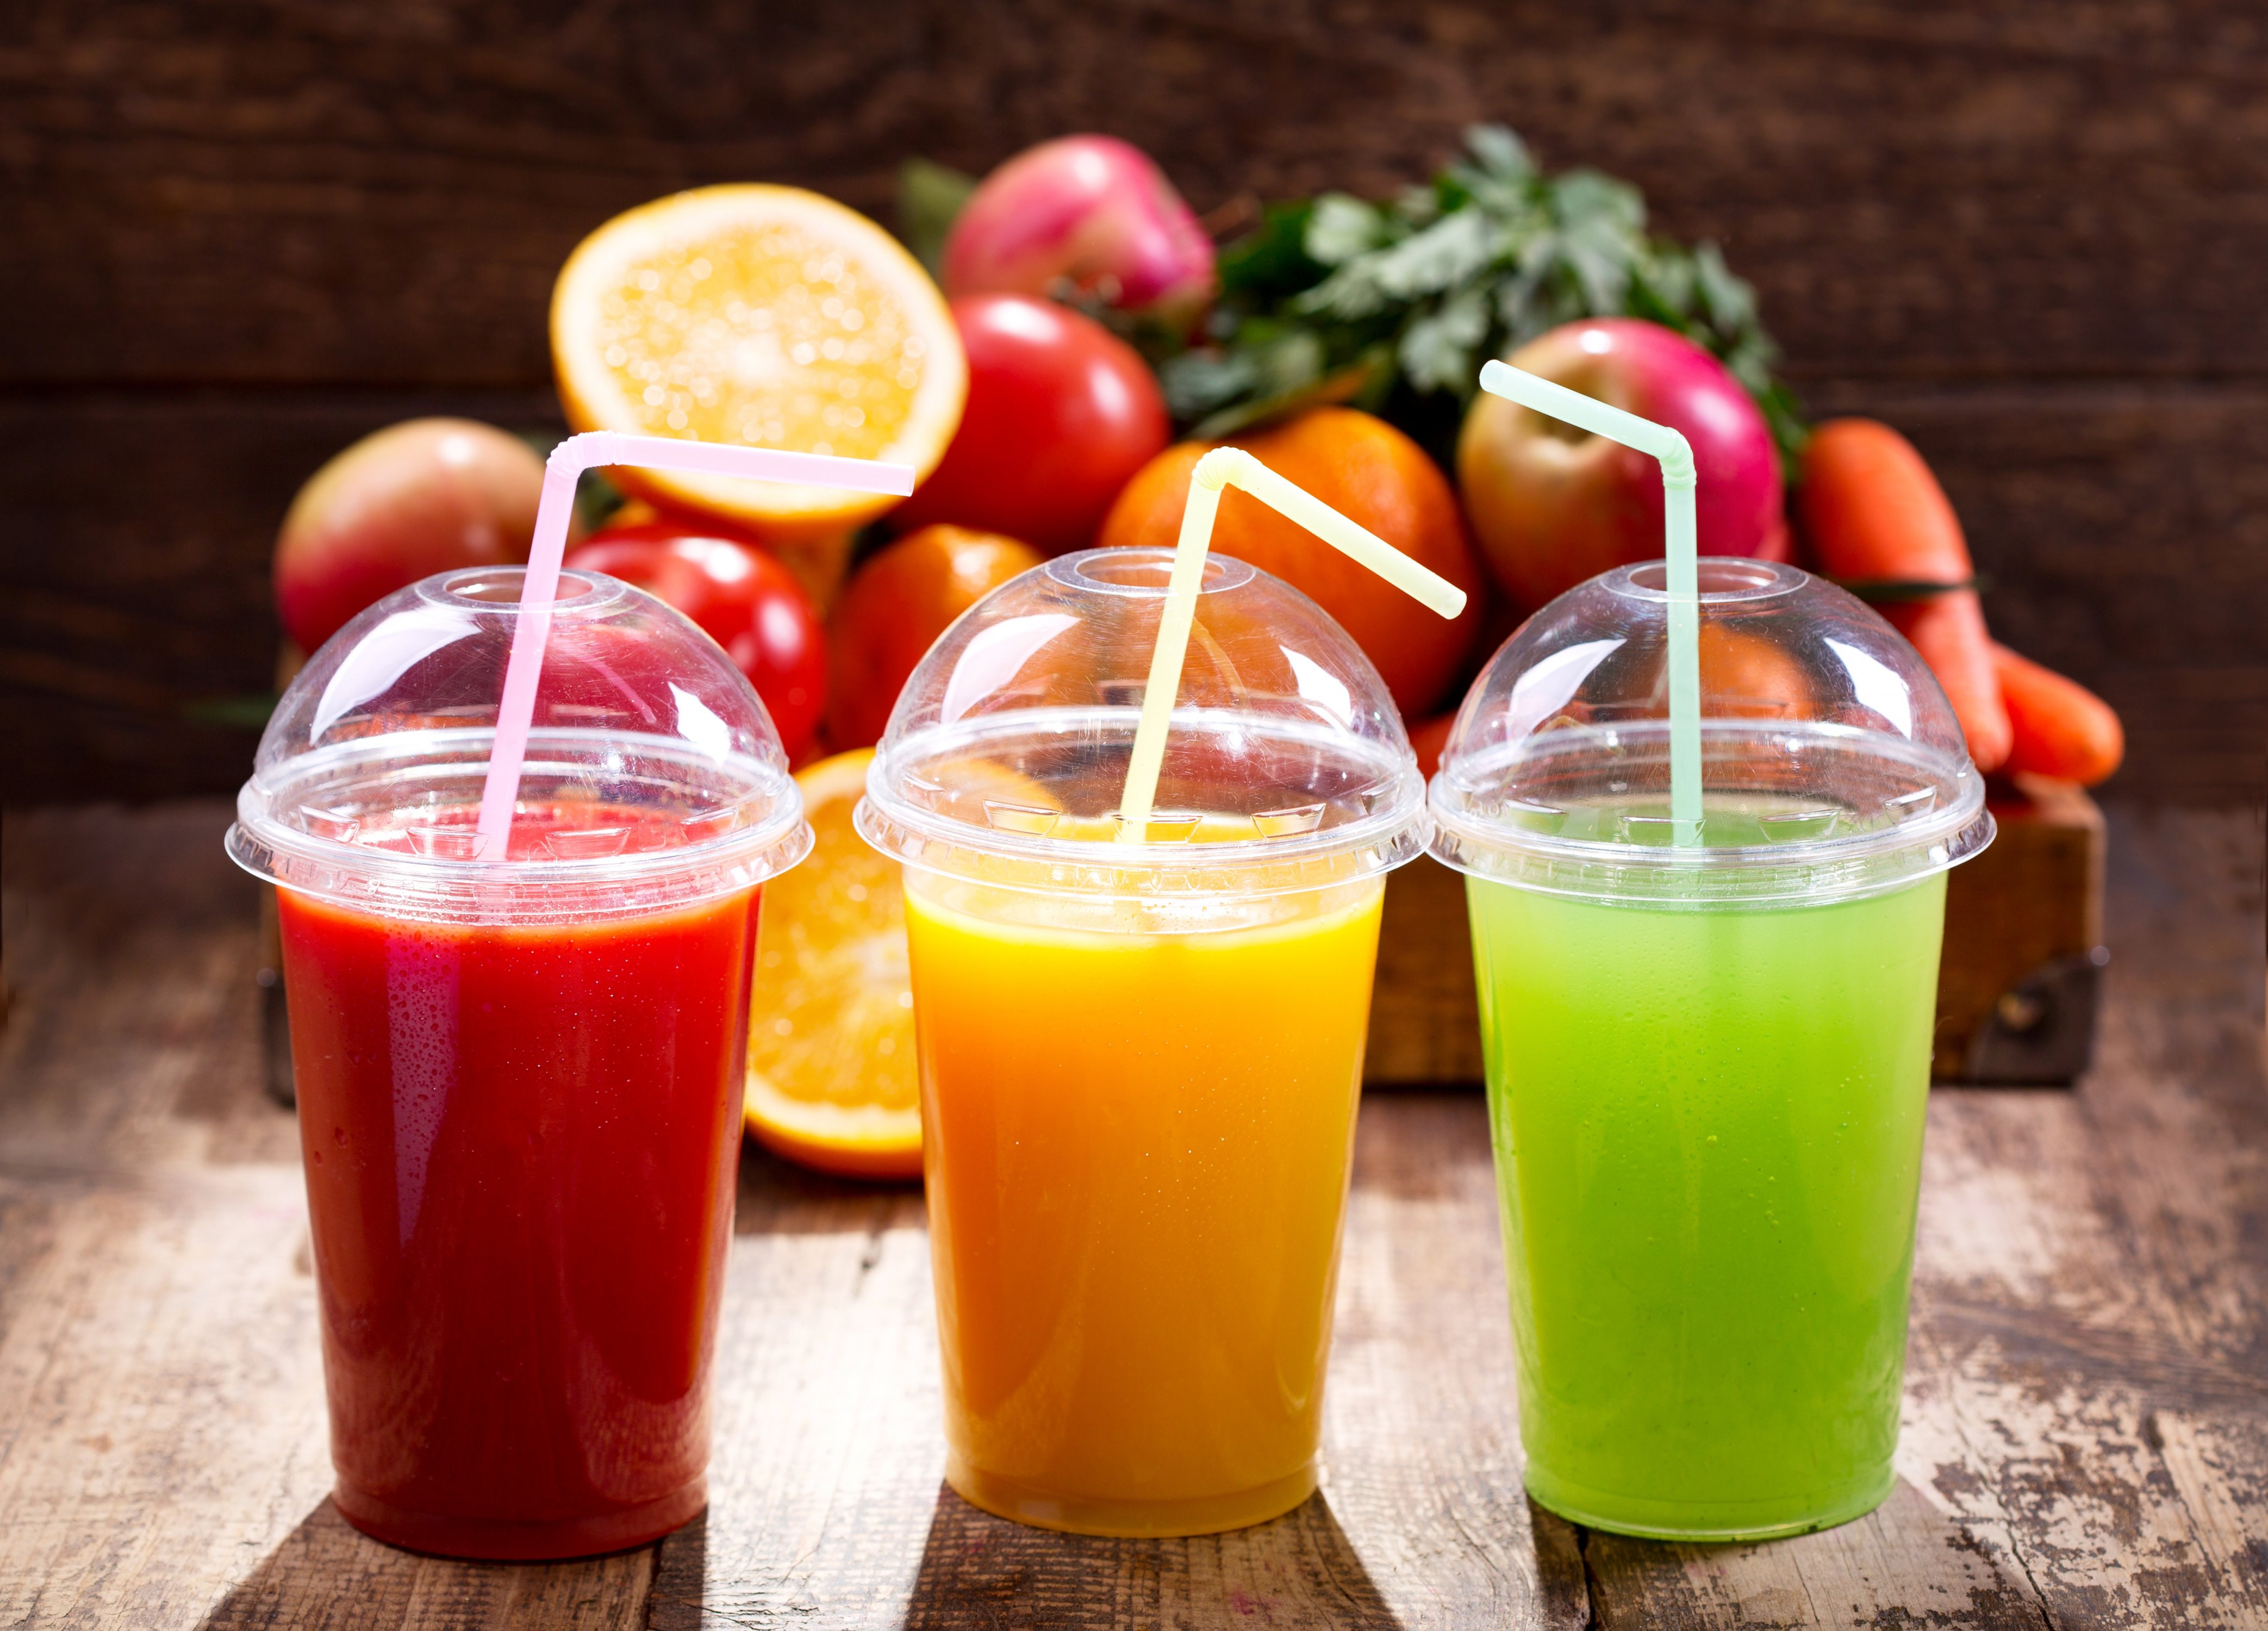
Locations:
{"points": [[2062, 729], [1871, 513], [1948, 631]]}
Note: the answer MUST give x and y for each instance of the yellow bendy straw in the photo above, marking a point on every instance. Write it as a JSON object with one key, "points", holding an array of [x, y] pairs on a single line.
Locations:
{"points": [[1227, 467]]}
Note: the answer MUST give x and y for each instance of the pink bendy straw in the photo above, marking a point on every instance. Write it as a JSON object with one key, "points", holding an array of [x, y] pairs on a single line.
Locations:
{"points": [[592, 449]]}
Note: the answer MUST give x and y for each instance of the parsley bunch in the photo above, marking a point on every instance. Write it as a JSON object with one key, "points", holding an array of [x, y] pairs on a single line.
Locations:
{"points": [[1393, 307]]}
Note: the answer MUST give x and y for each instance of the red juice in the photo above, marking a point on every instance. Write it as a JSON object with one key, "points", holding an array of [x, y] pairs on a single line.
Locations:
{"points": [[520, 1145]]}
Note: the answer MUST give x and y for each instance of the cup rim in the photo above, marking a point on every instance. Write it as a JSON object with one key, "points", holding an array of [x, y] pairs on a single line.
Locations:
{"points": [[1082, 569], [1390, 834], [1718, 580], [1794, 872], [454, 889]]}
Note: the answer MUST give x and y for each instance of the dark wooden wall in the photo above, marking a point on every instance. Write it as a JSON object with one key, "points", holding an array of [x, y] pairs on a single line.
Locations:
{"points": [[238, 233]]}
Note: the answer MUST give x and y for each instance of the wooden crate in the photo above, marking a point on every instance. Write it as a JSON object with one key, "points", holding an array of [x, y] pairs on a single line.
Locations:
{"points": [[2023, 943], [2016, 988]]}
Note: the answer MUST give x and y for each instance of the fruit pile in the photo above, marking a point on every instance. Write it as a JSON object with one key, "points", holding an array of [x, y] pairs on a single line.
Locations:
{"points": [[1080, 312]]}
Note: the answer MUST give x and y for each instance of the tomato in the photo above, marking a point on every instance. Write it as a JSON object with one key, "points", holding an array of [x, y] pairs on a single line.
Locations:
{"points": [[1060, 412], [743, 598]]}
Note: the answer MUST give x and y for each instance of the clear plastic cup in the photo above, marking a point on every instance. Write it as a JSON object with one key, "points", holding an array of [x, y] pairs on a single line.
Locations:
{"points": [[1707, 1067], [520, 1083], [1140, 1060]]}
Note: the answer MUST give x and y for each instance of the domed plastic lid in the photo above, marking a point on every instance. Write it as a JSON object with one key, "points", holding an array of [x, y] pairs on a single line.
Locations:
{"points": [[653, 775], [1286, 767], [1832, 765]]}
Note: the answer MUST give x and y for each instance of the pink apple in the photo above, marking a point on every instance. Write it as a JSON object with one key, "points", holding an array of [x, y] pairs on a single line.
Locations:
{"points": [[414, 498], [1089, 212], [1551, 505]]}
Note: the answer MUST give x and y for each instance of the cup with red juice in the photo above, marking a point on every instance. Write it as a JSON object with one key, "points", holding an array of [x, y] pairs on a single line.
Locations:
{"points": [[520, 1081]]}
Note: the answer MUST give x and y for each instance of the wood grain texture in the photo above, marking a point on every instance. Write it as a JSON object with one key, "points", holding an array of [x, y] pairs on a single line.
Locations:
{"points": [[2034, 896], [1903, 1563], [135, 554], [251, 229], [1425, 1015], [2091, 1260], [2086, 1436], [2124, 533], [163, 1452], [267, 191]]}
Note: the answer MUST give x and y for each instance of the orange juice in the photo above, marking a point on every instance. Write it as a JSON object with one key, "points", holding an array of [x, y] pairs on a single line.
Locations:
{"points": [[1136, 1139]]}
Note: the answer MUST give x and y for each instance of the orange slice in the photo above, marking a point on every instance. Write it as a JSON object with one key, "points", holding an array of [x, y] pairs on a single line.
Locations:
{"points": [[832, 1077], [762, 315]]}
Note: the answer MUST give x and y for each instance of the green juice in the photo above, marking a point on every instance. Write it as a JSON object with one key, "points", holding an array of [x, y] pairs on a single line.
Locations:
{"points": [[1708, 1131]]}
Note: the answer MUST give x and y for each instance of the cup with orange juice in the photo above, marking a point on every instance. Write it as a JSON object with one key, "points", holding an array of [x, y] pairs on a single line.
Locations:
{"points": [[1140, 1036]]}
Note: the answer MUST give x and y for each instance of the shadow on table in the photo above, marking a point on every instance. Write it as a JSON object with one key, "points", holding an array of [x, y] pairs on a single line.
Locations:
{"points": [[1298, 1570], [777, 1197], [326, 1572], [680, 1579], [322, 1546]]}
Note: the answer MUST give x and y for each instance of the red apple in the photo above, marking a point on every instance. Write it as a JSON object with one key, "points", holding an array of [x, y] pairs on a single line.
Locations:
{"points": [[1089, 213], [418, 497], [1551, 505]]}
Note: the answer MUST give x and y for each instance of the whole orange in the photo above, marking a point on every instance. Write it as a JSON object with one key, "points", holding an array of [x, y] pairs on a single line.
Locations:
{"points": [[1372, 474], [892, 612]]}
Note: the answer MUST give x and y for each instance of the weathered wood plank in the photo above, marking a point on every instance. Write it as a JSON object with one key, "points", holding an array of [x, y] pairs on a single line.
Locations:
{"points": [[2034, 247], [1424, 1019], [828, 1455], [135, 563], [327, 1574], [2127, 1227], [162, 1453], [2220, 1472], [1903, 1563], [255, 192], [1422, 1432], [829, 1501], [2086, 1423], [2123, 532]]}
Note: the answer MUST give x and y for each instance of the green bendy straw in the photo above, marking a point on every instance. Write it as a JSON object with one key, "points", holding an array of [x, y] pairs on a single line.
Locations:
{"points": [[1233, 467], [1678, 480]]}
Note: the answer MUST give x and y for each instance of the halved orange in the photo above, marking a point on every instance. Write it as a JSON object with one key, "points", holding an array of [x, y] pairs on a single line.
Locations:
{"points": [[763, 316], [832, 1078]]}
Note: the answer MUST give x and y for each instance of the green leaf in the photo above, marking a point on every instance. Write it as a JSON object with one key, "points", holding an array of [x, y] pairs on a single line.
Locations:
{"points": [[1197, 382], [929, 197], [1292, 364], [1436, 260], [1358, 381], [1661, 286], [1500, 152], [1437, 350], [1271, 262], [596, 499], [1428, 262], [1598, 204], [1600, 269], [1341, 228], [1418, 206], [1349, 293], [1390, 306], [1731, 303]]}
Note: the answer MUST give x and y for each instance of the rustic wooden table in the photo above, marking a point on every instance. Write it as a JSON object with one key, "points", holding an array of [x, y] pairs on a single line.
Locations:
{"points": [[2086, 1405]]}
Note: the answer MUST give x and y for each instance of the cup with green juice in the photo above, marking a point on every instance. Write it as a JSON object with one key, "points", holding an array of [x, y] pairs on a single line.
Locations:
{"points": [[1706, 1000]]}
